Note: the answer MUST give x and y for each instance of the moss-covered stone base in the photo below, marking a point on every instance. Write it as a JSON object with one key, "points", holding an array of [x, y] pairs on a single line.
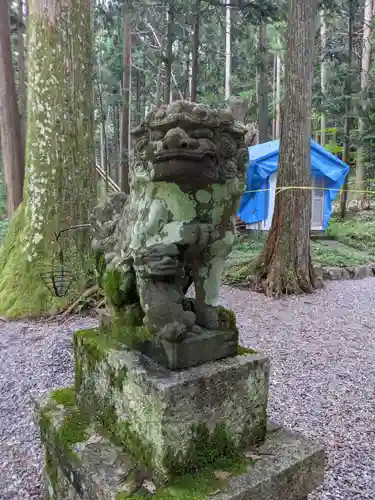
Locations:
{"points": [[171, 422], [82, 464], [125, 323]]}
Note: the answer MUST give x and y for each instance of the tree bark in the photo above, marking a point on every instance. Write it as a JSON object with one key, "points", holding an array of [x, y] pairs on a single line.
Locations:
{"points": [[60, 182], [158, 88], [228, 50], [10, 125], [323, 75], [169, 55], [348, 102], [278, 97], [263, 83], [274, 96], [125, 110], [285, 265], [194, 53], [365, 68], [21, 73]]}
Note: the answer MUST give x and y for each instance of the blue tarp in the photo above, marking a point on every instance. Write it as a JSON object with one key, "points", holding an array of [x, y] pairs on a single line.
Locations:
{"points": [[263, 162]]}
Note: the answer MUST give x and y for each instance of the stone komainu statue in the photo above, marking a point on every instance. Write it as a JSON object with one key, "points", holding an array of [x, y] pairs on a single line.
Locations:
{"points": [[177, 225]]}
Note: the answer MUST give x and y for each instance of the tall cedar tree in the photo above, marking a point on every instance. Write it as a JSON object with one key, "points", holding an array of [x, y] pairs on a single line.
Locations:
{"points": [[10, 124], [285, 264], [60, 183]]}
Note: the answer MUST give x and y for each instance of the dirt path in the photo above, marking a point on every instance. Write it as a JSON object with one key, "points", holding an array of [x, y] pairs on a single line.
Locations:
{"points": [[322, 350]]}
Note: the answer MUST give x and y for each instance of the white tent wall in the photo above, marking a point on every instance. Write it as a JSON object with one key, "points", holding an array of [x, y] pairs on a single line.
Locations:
{"points": [[317, 200]]}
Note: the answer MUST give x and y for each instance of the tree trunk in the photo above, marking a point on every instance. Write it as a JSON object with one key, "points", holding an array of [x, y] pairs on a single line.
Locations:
{"points": [[278, 97], [60, 182], [21, 73], [263, 83], [194, 53], [125, 110], [348, 99], [323, 76], [274, 97], [187, 86], [228, 51], [365, 69], [138, 113], [158, 88], [116, 129], [285, 265], [10, 125], [169, 55]]}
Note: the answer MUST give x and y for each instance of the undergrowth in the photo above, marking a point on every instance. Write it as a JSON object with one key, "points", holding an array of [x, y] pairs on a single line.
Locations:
{"points": [[346, 244]]}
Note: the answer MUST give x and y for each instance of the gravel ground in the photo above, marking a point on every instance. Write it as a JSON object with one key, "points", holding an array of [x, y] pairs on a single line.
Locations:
{"points": [[322, 350]]}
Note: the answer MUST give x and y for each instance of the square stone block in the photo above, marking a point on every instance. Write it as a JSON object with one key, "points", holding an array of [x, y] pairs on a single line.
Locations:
{"points": [[82, 464], [194, 350], [162, 416]]}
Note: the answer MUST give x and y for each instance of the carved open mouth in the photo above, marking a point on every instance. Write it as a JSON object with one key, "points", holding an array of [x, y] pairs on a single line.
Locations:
{"points": [[184, 154]]}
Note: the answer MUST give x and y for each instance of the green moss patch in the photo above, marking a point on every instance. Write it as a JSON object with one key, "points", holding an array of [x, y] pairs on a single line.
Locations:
{"points": [[22, 291], [113, 288], [65, 397], [351, 243], [73, 428], [76, 422], [227, 318], [200, 485], [205, 449], [245, 351]]}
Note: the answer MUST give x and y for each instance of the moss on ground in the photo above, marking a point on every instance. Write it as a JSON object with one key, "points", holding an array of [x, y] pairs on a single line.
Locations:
{"points": [[353, 245], [22, 290], [358, 232], [65, 397]]}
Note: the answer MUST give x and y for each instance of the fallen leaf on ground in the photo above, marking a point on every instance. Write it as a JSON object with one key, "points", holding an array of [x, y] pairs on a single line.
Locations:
{"points": [[216, 492], [252, 456], [95, 438], [149, 486], [222, 475]]}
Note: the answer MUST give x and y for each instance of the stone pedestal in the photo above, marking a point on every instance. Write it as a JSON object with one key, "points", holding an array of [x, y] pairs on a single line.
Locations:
{"points": [[288, 467], [129, 422], [167, 414]]}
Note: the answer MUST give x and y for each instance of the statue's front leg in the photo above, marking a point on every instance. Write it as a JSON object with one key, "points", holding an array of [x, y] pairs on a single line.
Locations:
{"points": [[207, 279], [159, 279]]}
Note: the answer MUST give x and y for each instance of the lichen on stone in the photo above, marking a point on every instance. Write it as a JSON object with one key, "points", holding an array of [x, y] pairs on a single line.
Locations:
{"points": [[185, 184], [199, 485]]}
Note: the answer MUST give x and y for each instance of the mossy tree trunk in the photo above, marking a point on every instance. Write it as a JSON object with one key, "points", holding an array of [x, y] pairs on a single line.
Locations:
{"points": [[10, 125], [285, 263], [263, 83], [60, 187]]}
